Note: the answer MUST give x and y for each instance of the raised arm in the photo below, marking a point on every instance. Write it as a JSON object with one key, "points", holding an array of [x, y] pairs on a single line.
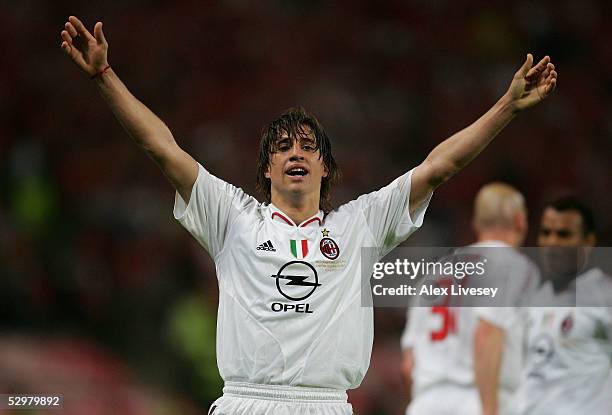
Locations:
{"points": [[530, 85], [90, 54]]}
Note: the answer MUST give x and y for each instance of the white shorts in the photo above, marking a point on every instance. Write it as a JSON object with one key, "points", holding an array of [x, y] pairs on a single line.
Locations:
{"points": [[252, 399], [446, 400]]}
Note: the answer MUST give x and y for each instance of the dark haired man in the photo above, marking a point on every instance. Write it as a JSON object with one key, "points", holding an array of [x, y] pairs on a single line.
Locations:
{"points": [[292, 335], [569, 342]]}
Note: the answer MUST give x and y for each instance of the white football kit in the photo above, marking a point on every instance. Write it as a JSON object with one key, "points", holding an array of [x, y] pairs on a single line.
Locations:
{"points": [[291, 328], [569, 351], [442, 339]]}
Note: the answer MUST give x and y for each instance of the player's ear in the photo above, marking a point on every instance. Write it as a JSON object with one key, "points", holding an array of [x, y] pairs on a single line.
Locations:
{"points": [[520, 222], [325, 170], [267, 172]]}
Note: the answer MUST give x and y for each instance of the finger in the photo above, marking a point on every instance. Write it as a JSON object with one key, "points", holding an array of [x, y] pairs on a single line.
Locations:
{"points": [[66, 47], [546, 72], [526, 66], [81, 30], [99, 34], [551, 82], [541, 66], [549, 68], [70, 28], [551, 85], [66, 37], [543, 63]]}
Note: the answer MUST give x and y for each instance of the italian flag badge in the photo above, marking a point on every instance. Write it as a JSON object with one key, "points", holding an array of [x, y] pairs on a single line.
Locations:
{"points": [[299, 248]]}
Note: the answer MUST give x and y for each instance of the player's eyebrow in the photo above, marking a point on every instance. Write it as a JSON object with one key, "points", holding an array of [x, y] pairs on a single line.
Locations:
{"points": [[564, 233], [281, 141]]}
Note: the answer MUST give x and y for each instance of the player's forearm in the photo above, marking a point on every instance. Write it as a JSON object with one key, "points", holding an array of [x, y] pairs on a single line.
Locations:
{"points": [[454, 153], [488, 349], [147, 130], [150, 133]]}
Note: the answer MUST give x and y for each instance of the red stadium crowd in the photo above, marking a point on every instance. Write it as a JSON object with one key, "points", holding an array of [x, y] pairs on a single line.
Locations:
{"points": [[89, 251]]}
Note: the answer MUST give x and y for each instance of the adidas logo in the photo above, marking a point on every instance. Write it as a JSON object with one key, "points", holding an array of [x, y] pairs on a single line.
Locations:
{"points": [[266, 246]]}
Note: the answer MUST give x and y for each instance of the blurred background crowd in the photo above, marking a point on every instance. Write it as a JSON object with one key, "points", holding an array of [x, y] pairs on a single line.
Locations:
{"points": [[106, 300]]}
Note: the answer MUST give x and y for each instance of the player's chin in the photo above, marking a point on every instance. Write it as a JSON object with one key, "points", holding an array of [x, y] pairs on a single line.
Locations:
{"points": [[299, 186], [297, 180]]}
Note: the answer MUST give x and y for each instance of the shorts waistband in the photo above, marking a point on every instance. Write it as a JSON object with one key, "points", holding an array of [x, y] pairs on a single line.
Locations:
{"points": [[284, 393]]}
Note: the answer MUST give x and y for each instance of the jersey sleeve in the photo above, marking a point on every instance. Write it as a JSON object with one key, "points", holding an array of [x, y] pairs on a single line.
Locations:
{"points": [[213, 206], [387, 213], [501, 317]]}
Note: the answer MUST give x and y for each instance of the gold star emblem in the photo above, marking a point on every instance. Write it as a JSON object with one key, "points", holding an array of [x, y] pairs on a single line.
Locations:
{"points": [[325, 232]]}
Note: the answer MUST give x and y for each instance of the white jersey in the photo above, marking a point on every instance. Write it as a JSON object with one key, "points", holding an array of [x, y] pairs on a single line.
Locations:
{"points": [[442, 338], [290, 310], [569, 351]]}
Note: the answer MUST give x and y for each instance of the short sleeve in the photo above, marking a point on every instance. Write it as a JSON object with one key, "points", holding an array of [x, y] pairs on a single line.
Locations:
{"points": [[387, 213], [501, 317], [212, 208]]}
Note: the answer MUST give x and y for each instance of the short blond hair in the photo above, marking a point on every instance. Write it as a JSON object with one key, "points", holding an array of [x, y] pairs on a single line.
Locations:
{"points": [[496, 205]]}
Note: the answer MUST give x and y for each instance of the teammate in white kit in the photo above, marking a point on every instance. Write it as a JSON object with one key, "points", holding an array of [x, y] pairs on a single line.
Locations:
{"points": [[569, 347], [292, 335], [467, 360]]}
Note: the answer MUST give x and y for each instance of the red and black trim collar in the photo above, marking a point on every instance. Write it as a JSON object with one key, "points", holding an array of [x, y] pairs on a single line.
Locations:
{"points": [[276, 214]]}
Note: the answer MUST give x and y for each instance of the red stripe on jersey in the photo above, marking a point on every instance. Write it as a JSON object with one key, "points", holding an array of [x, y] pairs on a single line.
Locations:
{"points": [[310, 221], [283, 218]]}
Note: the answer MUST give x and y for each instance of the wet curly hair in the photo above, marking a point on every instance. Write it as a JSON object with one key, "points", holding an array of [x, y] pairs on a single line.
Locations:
{"points": [[294, 122]]}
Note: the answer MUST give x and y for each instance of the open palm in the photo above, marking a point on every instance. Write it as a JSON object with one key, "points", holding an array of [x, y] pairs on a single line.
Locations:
{"points": [[531, 85], [90, 53]]}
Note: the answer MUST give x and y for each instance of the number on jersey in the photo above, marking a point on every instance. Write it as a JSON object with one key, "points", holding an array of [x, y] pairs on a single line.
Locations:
{"points": [[448, 326]]}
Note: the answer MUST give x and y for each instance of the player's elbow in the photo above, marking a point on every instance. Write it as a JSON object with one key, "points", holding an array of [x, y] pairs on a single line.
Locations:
{"points": [[440, 171]]}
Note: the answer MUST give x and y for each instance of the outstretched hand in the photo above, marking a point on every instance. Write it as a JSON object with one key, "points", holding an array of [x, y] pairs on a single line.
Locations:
{"points": [[90, 53], [531, 84]]}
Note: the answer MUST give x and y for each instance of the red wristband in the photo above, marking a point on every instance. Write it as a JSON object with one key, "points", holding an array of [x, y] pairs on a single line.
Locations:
{"points": [[101, 72]]}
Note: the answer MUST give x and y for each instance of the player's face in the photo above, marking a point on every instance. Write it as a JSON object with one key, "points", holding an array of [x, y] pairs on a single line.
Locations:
{"points": [[296, 166], [563, 240], [563, 229]]}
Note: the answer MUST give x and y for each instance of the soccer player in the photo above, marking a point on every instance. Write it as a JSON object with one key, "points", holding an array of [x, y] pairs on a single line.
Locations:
{"points": [[467, 360], [569, 348], [292, 335]]}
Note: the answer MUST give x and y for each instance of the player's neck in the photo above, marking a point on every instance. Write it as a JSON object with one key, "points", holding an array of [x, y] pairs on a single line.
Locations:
{"points": [[297, 207], [502, 235]]}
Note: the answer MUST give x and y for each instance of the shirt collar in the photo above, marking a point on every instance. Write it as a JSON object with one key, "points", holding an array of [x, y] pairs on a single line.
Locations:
{"points": [[492, 243], [278, 215]]}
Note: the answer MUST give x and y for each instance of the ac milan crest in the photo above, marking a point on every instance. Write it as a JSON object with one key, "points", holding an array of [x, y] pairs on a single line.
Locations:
{"points": [[329, 248]]}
